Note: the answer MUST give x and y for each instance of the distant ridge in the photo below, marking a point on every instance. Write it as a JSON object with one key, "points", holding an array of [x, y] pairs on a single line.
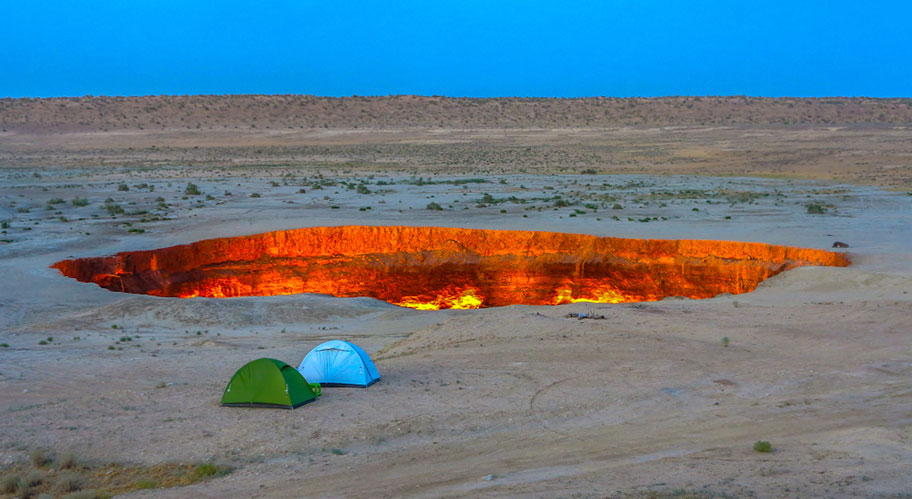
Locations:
{"points": [[69, 114]]}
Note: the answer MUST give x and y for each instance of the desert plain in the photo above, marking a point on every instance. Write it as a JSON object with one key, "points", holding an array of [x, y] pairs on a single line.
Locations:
{"points": [[655, 399]]}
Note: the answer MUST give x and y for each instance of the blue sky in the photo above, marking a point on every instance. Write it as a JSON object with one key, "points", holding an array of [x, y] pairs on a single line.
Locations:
{"points": [[456, 48]]}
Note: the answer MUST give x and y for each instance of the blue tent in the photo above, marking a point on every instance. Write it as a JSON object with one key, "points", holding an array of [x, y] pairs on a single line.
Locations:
{"points": [[339, 363]]}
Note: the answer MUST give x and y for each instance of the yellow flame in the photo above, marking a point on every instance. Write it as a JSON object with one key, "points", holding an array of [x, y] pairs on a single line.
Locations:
{"points": [[467, 299], [565, 295]]}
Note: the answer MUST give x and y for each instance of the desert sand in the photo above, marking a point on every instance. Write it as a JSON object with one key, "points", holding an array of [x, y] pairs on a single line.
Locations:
{"points": [[507, 401]]}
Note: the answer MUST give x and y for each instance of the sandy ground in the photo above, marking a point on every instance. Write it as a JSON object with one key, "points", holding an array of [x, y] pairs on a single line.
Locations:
{"points": [[859, 153], [513, 401]]}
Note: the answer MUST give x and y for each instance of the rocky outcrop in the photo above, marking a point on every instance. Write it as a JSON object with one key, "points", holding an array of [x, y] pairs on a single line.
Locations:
{"points": [[435, 267]]}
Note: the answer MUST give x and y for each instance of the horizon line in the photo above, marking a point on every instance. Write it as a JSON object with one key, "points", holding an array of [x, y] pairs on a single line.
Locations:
{"points": [[442, 96]]}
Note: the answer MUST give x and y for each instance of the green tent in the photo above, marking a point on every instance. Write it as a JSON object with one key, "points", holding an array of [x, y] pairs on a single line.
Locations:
{"points": [[268, 383]]}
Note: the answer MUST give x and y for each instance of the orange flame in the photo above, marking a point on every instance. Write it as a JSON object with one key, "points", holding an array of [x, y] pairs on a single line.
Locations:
{"points": [[432, 268]]}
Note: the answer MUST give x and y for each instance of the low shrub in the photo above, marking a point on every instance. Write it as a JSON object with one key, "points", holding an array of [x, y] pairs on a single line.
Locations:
{"points": [[34, 478], [38, 457], [815, 209], [9, 484], [204, 470], [68, 461], [144, 484], [114, 209], [70, 482]]}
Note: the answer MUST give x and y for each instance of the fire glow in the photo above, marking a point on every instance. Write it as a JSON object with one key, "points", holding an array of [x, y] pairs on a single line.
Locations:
{"points": [[431, 268]]}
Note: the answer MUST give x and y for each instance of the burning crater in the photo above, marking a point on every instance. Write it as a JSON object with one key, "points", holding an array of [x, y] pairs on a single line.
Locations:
{"points": [[432, 268]]}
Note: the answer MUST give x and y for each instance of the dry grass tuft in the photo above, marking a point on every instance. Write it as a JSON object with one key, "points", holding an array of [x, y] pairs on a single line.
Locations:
{"points": [[70, 482], [68, 461], [39, 458], [74, 480], [35, 478], [9, 484]]}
